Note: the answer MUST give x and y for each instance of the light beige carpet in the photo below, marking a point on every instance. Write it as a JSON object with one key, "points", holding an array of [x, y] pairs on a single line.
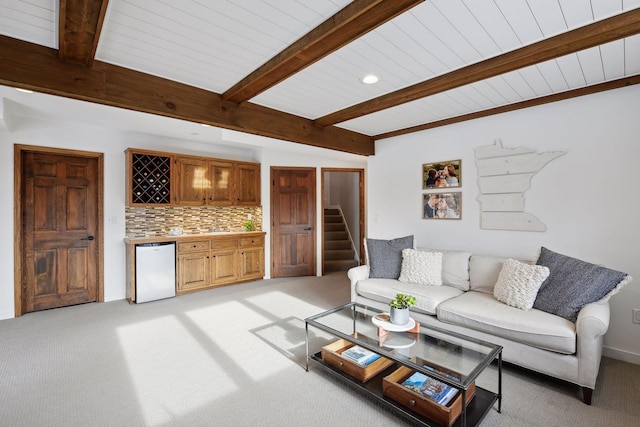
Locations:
{"points": [[233, 356]]}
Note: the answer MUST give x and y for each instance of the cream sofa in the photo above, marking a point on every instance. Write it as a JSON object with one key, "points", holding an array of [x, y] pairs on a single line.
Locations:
{"points": [[465, 303]]}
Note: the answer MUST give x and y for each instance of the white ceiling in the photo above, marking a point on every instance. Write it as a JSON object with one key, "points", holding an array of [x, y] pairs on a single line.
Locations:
{"points": [[214, 44]]}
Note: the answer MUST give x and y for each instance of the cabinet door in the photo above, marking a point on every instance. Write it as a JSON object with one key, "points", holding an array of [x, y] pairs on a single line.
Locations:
{"points": [[247, 184], [193, 181], [252, 263], [193, 270], [222, 183], [224, 266]]}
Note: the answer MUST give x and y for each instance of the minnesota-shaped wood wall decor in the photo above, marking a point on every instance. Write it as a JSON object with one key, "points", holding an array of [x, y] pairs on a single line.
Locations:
{"points": [[504, 175]]}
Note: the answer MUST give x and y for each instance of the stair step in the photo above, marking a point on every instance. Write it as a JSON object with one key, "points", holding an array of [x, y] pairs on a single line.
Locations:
{"points": [[339, 254], [335, 227], [336, 244], [332, 219], [335, 235], [339, 265]]}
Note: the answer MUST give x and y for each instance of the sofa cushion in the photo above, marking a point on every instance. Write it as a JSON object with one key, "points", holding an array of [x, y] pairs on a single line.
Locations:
{"points": [[572, 284], [427, 297], [482, 312], [618, 288], [423, 268], [455, 268], [385, 256], [483, 272], [518, 283]]}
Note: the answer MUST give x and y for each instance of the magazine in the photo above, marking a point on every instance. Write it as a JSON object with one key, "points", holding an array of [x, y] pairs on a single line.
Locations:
{"points": [[431, 388], [360, 355]]}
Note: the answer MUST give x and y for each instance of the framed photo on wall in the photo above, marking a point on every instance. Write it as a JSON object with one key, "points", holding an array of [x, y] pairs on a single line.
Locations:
{"points": [[442, 205], [442, 174]]}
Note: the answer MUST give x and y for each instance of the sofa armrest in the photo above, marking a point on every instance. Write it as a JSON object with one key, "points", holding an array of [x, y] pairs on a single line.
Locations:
{"points": [[593, 319], [356, 274], [592, 324]]}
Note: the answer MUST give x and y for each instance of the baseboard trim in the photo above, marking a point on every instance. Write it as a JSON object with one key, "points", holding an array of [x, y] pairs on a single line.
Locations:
{"points": [[7, 315], [114, 297], [625, 356]]}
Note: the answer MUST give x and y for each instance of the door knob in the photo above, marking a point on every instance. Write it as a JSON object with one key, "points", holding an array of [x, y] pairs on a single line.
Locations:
{"points": [[88, 238]]}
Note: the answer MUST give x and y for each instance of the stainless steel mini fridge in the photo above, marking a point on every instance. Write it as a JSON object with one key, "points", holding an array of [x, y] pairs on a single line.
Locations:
{"points": [[155, 271]]}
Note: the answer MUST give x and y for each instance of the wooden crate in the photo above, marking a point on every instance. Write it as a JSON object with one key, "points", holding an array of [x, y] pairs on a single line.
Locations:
{"points": [[445, 415], [332, 354]]}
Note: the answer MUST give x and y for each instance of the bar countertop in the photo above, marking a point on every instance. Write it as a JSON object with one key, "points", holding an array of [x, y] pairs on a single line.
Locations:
{"points": [[187, 237]]}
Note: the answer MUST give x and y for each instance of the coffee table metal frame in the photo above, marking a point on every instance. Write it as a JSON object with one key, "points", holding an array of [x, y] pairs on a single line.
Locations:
{"points": [[478, 407]]}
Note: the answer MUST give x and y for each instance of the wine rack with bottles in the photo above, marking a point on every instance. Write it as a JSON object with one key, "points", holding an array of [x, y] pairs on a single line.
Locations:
{"points": [[150, 178]]}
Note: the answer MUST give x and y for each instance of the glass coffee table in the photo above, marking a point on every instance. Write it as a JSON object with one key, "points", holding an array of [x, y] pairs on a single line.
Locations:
{"points": [[454, 360]]}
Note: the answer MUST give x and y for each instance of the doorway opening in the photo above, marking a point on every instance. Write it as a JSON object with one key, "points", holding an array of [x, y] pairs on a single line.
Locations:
{"points": [[343, 224]]}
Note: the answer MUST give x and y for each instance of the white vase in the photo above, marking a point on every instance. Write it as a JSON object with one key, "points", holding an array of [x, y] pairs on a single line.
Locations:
{"points": [[399, 316]]}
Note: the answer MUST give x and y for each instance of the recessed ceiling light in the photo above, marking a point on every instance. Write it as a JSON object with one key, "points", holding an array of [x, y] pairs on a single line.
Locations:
{"points": [[369, 79], [204, 125], [24, 90]]}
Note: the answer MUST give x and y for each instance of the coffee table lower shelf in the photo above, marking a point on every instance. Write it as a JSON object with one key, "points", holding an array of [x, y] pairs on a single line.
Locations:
{"points": [[477, 409]]}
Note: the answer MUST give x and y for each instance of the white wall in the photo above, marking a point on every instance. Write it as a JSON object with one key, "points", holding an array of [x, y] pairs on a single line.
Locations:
{"points": [[37, 132], [587, 198]]}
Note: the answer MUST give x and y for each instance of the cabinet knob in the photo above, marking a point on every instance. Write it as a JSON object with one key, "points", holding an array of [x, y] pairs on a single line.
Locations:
{"points": [[340, 364], [412, 402]]}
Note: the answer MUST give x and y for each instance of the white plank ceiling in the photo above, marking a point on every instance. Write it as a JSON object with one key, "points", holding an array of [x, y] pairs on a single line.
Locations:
{"points": [[214, 44]]}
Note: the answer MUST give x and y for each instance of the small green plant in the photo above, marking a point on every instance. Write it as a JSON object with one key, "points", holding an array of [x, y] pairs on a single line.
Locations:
{"points": [[249, 226], [403, 301]]}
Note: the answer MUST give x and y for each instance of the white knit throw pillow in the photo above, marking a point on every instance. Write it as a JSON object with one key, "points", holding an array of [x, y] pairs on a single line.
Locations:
{"points": [[518, 283], [424, 268]]}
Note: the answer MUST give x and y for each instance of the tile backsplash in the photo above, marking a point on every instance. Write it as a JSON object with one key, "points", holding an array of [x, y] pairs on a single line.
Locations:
{"points": [[156, 221]]}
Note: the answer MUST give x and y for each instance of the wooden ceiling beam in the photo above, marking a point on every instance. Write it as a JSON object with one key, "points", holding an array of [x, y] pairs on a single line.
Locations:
{"points": [[575, 93], [617, 27], [79, 26], [350, 23], [31, 66]]}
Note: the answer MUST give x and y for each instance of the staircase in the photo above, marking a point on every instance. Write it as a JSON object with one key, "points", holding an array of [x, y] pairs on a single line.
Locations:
{"points": [[338, 252]]}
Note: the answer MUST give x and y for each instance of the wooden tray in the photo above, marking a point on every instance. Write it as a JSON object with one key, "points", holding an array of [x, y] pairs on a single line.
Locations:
{"points": [[332, 354], [445, 415]]}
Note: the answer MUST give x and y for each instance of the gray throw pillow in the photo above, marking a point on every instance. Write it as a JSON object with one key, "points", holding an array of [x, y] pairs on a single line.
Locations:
{"points": [[385, 256], [572, 284]]}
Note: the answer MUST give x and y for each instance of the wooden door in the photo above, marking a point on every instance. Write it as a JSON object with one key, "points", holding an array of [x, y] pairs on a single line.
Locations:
{"points": [[252, 263], [293, 207], [222, 183], [247, 184], [193, 181], [224, 266], [193, 270], [60, 209]]}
